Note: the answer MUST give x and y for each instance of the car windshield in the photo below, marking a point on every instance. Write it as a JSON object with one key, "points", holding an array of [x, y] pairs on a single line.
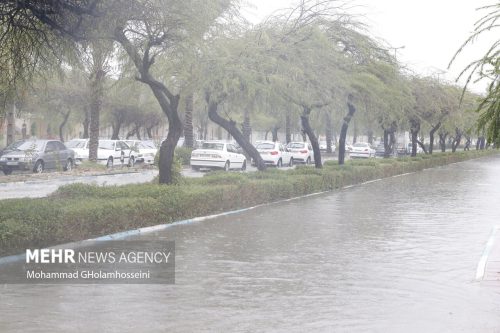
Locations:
{"points": [[76, 144], [213, 146], [146, 145], [14, 145], [106, 144], [265, 146], [31, 145], [360, 145], [296, 145]]}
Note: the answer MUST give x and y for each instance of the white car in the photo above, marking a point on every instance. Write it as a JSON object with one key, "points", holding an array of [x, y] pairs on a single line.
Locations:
{"points": [[409, 148], [323, 146], [217, 155], [111, 152], [274, 153], [145, 151], [302, 152], [81, 149], [362, 150]]}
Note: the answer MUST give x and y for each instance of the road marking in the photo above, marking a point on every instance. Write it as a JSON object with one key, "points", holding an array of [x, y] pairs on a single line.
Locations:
{"points": [[481, 267]]}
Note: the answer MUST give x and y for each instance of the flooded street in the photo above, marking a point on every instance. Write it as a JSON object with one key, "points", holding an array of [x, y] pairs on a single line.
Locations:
{"points": [[396, 255]]}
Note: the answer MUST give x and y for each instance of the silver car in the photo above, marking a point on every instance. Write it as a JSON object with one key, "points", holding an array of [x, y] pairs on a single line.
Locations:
{"points": [[38, 155]]}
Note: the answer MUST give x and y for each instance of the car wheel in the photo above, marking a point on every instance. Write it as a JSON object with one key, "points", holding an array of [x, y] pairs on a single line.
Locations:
{"points": [[109, 164], [7, 171], [308, 161], [69, 165], [131, 161], [279, 164], [39, 167], [226, 166], [195, 168], [291, 162], [244, 165]]}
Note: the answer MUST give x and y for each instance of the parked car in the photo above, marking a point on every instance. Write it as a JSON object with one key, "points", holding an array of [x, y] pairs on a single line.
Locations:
{"points": [[110, 152], [401, 151], [38, 155], [81, 149], [362, 150], [380, 150], [11, 147], [409, 149], [145, 151], [274, 153], [217, 155], [301, 152], [323, 146]]}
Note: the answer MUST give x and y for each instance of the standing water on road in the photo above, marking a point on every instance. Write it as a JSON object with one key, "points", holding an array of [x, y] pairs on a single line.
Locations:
{"points": [[397, 255]]}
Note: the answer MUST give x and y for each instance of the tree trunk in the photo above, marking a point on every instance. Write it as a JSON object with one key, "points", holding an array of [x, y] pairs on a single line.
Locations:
{"points": [[304, 135], [343, 131], [231, 127], [431, 136], [11, 124], [288, 129], [328, 132], [138, 132], [456, 140], [188, 122], [149, 132], [392, 137], [130, 134], [467, 143], [442, 141], [387, 147], [414, 129], [247, 128], [63, 123], [389, 139], [304, 118], [96, 93], [274, 131], [370, 136], [355, 132], [86, 123], [116, 131], [167, 147], [422, 145]]}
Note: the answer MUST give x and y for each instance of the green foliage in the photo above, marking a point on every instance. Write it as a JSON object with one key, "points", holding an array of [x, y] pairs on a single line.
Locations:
{"points": [[183, 154], [486, 68]]}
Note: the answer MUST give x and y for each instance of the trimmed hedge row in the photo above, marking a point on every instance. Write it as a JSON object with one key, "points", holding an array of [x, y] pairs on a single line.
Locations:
{"points": [[79, 211]]}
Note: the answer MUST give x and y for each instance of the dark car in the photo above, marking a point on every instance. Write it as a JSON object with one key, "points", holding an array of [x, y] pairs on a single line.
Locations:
{"points": [[37, 155]]}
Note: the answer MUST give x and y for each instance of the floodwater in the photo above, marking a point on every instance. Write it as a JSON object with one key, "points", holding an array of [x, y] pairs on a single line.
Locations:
{"points": [[397, 255]]}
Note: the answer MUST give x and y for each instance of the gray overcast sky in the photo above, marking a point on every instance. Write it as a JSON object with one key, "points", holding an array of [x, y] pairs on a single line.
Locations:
{"points": [[431, 30]]}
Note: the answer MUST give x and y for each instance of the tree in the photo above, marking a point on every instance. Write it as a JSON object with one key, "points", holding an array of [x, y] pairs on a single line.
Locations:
{"points": [[486, 68], [150, 29]]}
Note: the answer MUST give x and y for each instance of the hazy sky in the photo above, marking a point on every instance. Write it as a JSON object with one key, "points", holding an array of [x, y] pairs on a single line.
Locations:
{"points": [[431, 31]]}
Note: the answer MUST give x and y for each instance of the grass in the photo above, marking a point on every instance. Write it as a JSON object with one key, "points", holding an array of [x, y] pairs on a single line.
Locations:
{"points": [[76, 212]]}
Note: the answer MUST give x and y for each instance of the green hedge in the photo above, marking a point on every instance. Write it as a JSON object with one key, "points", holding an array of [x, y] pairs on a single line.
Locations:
{"points": [[79, 211]]}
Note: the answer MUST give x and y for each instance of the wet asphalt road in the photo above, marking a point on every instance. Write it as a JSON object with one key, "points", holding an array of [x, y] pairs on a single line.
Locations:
{"points": [[396, 255]]}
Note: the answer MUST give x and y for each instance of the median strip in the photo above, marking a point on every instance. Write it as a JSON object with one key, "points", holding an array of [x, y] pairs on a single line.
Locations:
{"points": [[76, 212]]}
